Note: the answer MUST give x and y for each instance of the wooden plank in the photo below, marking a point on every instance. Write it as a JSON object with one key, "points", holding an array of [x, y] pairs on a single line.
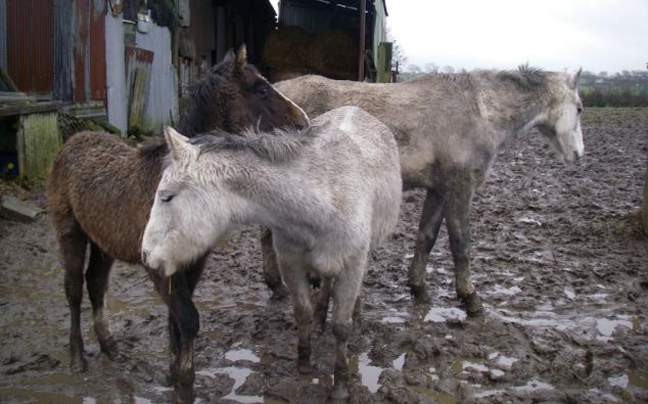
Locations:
{"points": [[7, 80], [38, 141], [24, 109], [383, 70], [138, 101]]}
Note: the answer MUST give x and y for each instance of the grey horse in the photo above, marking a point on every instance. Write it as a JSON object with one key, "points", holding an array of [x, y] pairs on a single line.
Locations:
{"points": [[449, 129], [329, 194]]}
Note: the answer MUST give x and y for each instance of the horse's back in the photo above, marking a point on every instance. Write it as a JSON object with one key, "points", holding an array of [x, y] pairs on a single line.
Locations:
{"points": [[363, 151], [97, 181]]}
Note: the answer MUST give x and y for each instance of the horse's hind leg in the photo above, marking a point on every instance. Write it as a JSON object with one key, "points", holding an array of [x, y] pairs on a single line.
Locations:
{"points": [[430, 222], [346, 291], [295, 276], [73, 242], [457, 217], [271, 272], [97, 284], [322, 305]]}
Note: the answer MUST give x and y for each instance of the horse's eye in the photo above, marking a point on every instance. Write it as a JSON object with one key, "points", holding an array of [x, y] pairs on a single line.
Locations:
{"points": [[579, 109], [263, 90], [165, 196]]}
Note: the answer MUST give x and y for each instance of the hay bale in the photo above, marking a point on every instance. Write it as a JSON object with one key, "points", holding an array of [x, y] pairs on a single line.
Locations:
{"points": [[286, 48], [334, 53]]}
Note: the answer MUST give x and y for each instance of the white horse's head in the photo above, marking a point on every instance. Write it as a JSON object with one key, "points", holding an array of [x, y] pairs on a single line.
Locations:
{"points": [[561, 122], [187, 215]]}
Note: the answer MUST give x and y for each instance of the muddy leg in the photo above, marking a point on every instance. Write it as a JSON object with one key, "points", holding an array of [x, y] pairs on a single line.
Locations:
{"points": [[346, 291], [97, 284], [270, 266], [430, 222], [322, 305], [296, 278], [72, 242], [186, 323], [457, 212]]}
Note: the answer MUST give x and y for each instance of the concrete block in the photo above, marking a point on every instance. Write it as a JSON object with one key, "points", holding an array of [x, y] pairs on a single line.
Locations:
{"points": [[14, 209]]}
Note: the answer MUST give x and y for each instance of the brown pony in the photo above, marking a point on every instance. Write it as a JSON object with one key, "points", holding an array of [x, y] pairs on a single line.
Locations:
{"points": [[101, 190]]}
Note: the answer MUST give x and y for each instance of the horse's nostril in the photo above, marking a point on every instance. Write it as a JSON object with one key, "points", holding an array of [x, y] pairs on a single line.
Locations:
{"points": [[576, 156], [143, 257]]}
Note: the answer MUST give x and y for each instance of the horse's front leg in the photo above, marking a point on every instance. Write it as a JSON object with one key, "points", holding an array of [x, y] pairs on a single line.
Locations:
{"points": [[346, 291], [429, 224], [457, 215], [73, 243], [184, 323], [97, 282], [295, 275], [271, 272]]}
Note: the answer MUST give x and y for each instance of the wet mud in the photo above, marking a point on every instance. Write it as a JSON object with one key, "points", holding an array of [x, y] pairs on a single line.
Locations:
{"points": [[557, 257]]}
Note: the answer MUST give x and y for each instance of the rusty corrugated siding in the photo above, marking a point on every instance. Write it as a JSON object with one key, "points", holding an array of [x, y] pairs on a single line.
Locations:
{"points": [[30, 56], [98, 51]]}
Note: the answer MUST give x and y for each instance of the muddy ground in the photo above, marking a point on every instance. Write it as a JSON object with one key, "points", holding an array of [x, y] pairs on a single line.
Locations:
{"points": [[557, 258]]}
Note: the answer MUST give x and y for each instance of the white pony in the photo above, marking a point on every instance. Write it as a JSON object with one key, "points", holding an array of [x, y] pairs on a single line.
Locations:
{"points": [[329, 194]]}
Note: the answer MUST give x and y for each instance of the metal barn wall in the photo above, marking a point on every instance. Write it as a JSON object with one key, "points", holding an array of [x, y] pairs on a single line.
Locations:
{"points": [[30, 44], [162, 101], [117, 96]]}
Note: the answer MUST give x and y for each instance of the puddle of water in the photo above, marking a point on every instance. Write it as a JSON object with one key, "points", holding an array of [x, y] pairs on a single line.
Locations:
{"points": [[55, 378], [461, 365], [596, 327], [606, 327], [241, 355], [399, 362], [392, 320], [49, 398], [500, 290], [437, 395], [442, 314], [369, 374], [534, 385], [638, 378], [239, 375], [488, 393], [506, 362]]}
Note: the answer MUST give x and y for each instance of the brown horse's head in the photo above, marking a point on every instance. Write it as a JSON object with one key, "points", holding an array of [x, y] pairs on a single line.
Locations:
{"points": [[234, 96]]}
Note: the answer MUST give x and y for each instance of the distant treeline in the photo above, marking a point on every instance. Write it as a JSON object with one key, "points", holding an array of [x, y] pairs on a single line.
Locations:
{"points": [[624, 89]]}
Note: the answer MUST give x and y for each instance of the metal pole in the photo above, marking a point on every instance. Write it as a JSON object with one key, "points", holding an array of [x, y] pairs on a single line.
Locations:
{"points": [[363, 19]]}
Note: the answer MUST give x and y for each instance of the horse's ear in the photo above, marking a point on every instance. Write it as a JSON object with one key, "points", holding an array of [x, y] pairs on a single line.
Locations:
{"points": [[179, 146], [574, 78], [229, 56], [241, 57]]}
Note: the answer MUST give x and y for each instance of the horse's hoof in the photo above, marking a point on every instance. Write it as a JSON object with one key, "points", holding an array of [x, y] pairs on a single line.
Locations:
{"points": [[79, 365], [110, 350], [304, 367], [472, 304], [279, 292], [319, 318], [184, 394], [339, 393], [420, 294]]}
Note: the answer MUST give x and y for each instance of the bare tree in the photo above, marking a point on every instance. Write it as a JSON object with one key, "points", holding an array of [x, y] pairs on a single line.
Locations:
{"points": [[431, 68], [398, 54]]}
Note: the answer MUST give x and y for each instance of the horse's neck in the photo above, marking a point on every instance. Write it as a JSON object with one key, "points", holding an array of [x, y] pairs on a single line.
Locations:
{"points": [[508, 109], [282, 198]]}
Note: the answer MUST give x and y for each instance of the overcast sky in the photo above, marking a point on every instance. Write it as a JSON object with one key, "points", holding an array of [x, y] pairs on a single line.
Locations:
{"points": [[599, 35]]}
